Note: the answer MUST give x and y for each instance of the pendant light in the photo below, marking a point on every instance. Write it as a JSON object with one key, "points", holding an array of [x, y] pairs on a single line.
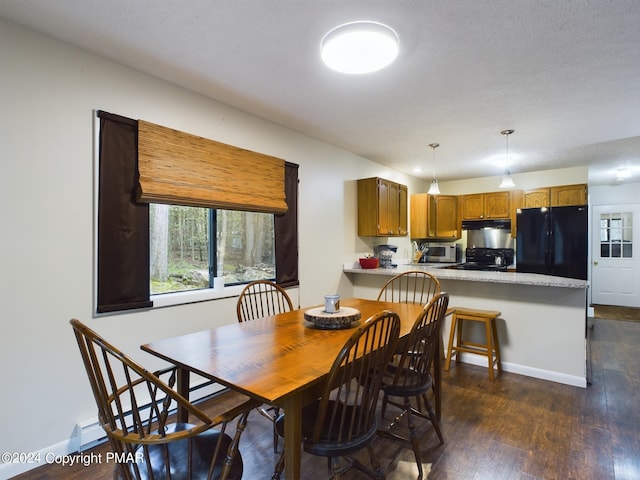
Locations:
{"points": [[434, 189], [507, 181]]}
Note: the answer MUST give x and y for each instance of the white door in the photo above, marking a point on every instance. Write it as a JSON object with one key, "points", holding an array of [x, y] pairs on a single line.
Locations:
{"points": [[615, 269]]}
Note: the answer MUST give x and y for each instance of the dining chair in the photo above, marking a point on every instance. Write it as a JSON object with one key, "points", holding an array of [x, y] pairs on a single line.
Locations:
{"points": [[135, 409], [263, 298], [409, 375], [342, 420], [414, 286]]}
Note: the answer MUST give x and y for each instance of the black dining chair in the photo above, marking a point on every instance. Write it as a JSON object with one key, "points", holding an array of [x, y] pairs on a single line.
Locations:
{"points": [[343, 419], [135, 409], [409, 375], [415, 286]]}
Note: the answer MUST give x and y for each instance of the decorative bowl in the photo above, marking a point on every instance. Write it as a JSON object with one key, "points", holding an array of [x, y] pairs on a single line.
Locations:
{"points": [[370, 262]]}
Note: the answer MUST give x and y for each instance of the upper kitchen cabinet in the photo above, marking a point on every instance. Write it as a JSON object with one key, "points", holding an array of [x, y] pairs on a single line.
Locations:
{"points": [[382, 208], [482, 206], [568, 195], [434, 216], [560, 196], [537, 198]]}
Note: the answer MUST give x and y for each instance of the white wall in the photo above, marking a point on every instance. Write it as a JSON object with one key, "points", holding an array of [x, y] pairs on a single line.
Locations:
{"points": [[523, 181], [49, 91], [615, 194]]}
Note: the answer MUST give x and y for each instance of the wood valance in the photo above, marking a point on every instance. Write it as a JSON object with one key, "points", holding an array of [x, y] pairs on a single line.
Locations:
{"points": [[183, 169]]}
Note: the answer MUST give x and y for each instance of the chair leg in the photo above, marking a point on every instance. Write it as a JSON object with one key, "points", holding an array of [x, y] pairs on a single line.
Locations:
{"points": [[277, 472], [433, 418], [335, 471], [275, 431], [383, 408], [375, 463], [232, 451], [413, 436]]}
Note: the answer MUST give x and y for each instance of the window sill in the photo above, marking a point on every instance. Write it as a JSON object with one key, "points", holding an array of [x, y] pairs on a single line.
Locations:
{"points": [[194, 296]]}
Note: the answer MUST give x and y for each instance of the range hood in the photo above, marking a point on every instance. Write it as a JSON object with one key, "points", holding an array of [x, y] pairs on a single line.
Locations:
{"points": [[488, 233], [486, 224]]}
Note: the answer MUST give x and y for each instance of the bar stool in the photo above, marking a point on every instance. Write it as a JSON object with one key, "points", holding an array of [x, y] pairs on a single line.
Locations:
{"points": [[490, 349]]}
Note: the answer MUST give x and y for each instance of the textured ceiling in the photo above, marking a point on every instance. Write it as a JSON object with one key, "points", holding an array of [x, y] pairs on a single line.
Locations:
{"points": [[565, 74]]}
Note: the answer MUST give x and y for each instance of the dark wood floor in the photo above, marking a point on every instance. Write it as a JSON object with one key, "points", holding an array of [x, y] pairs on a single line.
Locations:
{"points": [[513, 428]]}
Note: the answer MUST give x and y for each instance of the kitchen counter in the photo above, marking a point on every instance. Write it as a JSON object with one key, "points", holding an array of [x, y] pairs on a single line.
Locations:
{"points": [[442, 272], [542, 329]]}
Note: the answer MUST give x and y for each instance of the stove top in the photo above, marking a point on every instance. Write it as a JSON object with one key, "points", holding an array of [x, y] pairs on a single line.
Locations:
{"points": [[485, 259], [479, 266]]}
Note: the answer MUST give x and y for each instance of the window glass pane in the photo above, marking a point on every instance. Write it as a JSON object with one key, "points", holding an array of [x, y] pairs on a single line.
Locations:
{"points": [[179, 247], [245, 246], [181, 241], [616, 235]]}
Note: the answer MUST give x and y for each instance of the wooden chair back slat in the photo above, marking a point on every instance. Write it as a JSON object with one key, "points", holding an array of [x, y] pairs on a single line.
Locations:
{"points": [[262, 298], [414, 286]]}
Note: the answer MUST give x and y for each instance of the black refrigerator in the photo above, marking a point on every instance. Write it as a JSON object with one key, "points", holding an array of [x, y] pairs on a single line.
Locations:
{"points": [[553, 241]]}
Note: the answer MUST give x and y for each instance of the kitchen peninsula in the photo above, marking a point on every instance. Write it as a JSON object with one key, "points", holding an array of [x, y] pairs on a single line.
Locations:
{"points": [[542, 329]]}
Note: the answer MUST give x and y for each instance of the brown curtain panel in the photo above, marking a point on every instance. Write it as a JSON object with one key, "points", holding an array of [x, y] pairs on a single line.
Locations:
{"points": [[123, 224], [286, 231]]}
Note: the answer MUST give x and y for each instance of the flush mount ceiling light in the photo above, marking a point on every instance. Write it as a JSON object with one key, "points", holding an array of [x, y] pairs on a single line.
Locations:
{"points": [[359, 47], [434, 189], [507, 181]]}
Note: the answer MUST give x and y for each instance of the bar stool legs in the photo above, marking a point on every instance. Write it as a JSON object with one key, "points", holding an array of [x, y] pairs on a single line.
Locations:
{"points": [[490, 349]]}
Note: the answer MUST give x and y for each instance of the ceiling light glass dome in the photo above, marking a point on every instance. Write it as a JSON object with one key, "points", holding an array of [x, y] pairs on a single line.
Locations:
{"points": [[359, 47]]}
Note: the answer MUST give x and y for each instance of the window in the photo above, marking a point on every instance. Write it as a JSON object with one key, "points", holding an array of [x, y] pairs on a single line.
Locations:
{"points": [[123, 224], [189, 246], [616, 235]]}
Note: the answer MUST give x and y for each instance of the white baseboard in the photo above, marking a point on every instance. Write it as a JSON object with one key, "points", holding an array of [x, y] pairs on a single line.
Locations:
{"points": [[558, 377]]}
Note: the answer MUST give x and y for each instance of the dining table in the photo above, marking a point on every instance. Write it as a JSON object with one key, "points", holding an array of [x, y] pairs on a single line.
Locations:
{"points": [[281, 360]]}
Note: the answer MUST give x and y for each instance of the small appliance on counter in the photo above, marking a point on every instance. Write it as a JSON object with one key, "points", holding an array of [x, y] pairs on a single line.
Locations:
{"points": [[385, 255], [440, 252]]}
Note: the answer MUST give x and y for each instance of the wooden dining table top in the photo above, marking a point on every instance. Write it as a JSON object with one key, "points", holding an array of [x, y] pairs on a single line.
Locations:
{"points": [[273, 357]]}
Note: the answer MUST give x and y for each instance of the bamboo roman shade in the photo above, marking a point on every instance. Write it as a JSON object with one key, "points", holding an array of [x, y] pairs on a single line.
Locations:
{"points": [[183, 169]]}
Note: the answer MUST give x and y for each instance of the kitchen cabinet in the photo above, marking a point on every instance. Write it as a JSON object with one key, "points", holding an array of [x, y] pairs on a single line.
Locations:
{"points": [[434, 216], [559, 196], [382, 208], [481, 206], [568, 195], [537, 198]]}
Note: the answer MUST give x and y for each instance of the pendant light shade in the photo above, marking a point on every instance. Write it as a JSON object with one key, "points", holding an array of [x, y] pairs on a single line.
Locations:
{"points": [[507, 181], [359, 47], [434, 189]]}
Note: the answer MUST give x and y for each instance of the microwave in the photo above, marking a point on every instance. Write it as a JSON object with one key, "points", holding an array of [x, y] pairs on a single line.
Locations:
{"points": [[441, 252]]}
